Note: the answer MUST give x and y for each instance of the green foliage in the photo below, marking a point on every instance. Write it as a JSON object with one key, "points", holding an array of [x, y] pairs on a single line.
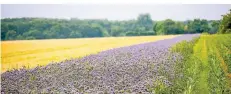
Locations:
{"points": [[145, 20], [11, 34], [214, 26], [116, 31], [169, 26], [201, 69], [225, 26], [75, 34], [186, 70], [198, 26], [44, 28]]}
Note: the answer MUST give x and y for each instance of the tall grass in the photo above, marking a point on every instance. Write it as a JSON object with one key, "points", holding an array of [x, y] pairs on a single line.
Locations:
{"points": [[205, 66], [185, 75]]}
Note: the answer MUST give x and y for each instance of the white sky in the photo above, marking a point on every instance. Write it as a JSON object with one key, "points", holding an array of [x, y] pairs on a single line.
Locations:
{"points": [[116, 11]]}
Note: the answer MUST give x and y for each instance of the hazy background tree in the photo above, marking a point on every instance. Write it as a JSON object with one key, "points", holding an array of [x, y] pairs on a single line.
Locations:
{"points": [[48, 28], [214, 26]]}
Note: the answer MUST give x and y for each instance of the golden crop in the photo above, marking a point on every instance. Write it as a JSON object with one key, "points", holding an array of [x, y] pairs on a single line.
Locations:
{"points": [[31, 53]]}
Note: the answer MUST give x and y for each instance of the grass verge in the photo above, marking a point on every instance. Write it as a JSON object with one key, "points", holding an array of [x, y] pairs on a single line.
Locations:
{"points": [[205, 67]]}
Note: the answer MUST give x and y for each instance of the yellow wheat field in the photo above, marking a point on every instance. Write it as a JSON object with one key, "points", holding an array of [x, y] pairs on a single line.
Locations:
{"points": [[30, 53]]}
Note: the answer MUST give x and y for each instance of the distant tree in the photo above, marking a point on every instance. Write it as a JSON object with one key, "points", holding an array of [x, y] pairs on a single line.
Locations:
{"points": [[204, 26], [145, 20], [186, 29], [117, 31], [194, 26], [19, 37], [48, 34], [160, 28], [169, 26], [155, 27], [198, 26], [55, 29], [75, 34], [97, 30], [214, 27], [179, 28], [34, 33], [30, 38], [11, 34], [4, 30], [47, 28]]}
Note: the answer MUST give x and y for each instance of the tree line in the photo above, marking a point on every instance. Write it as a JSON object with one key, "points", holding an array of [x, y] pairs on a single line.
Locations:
{"points": [[47, 28]]}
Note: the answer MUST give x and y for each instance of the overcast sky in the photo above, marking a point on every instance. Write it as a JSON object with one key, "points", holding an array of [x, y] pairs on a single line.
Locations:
{"points": [[116, 12]]}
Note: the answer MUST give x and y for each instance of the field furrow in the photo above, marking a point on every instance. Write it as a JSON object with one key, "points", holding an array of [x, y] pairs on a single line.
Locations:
{"points": [[201, 53]]}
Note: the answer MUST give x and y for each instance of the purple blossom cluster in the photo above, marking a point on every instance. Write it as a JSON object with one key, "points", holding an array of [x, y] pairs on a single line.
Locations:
{"points": [[131, 69]]}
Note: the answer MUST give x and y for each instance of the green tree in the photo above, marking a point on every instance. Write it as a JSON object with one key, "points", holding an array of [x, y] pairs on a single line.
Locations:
{"points": [[19, 37], [194, 26], [169, 26], [10, 35], [46, 28], [75, 34], [225, 26], [117, 31], [204, 26], [4, 30], [214, 27], [145, 20], [179, 28], [155, 28], [198, 26], [34, 33]]}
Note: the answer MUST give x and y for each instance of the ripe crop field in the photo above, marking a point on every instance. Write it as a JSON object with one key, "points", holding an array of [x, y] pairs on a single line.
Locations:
{"points": [[31, 53], [135, 68], [189, 64]]}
